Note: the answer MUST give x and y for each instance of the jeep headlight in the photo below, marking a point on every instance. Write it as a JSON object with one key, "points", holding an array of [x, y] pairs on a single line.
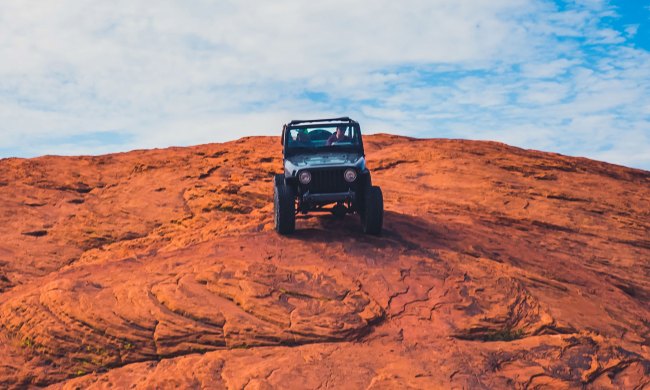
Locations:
{"points": [[304, 177], [350, 175]]}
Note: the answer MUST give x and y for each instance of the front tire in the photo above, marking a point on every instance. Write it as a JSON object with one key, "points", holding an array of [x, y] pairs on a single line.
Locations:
{"points": [[284, 209], [372, 218], [278, 179]]}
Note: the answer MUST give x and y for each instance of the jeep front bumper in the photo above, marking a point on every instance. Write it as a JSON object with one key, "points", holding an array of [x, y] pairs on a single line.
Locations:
{"points": [[328, 197]]}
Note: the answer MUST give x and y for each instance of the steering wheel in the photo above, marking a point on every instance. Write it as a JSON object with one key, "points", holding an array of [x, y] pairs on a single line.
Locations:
{"points": [[319, 135]]}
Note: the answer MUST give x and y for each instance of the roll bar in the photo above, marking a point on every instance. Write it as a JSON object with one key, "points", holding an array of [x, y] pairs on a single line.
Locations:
{"points": [[341, 119]]}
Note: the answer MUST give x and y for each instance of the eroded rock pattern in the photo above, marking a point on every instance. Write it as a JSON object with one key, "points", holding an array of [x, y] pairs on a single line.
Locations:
{"points": [[498, 267]]}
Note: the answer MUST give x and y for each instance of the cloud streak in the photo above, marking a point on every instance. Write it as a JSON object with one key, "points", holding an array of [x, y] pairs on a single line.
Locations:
{"points": [[532, 73]]}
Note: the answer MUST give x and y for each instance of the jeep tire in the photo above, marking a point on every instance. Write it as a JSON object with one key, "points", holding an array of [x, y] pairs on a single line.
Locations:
{"points": [[284, 207], [278, 179], [372, 217], [360, 204]]}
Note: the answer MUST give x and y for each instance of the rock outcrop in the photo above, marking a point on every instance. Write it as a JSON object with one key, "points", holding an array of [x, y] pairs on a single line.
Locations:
{"points": [[498, 268]]}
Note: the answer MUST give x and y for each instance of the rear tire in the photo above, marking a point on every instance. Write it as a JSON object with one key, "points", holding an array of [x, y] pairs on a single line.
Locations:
{"points": [[284, 208], [372, 218], [339, 211]]}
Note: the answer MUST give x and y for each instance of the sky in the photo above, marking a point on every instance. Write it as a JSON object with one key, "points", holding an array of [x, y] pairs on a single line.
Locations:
{"points": [[94, 77]]}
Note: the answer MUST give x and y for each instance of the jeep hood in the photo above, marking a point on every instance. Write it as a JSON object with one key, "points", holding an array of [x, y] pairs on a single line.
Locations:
{"points": [[324, 159]]}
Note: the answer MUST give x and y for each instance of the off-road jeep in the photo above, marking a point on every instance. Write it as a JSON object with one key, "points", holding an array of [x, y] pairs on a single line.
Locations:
{"points": [[325, 171]]}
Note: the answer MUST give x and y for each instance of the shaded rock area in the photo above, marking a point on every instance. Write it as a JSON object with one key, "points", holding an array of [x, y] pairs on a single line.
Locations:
{"points": [[498, 268]]}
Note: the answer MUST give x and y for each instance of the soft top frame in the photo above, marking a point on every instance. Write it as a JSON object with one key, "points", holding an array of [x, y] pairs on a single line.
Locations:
{"points": [[341, 119]]}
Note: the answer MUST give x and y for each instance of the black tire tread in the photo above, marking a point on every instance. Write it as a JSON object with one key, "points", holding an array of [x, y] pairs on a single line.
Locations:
{"points": [[372, 218], [285, 207], [278, 179]]}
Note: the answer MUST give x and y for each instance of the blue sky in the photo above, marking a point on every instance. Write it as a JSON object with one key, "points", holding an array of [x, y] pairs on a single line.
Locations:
{"points": [[91, 77]]}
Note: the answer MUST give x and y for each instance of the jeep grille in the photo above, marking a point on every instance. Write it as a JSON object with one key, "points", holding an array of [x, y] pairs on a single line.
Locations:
{"points": [[327, 181]]}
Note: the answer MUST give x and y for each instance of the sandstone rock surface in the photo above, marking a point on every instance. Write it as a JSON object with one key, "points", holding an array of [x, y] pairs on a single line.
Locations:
{"points": [[498, 268]]}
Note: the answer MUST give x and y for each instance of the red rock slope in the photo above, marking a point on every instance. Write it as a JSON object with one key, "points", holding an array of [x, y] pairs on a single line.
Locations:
{"points": [[499, 267]]}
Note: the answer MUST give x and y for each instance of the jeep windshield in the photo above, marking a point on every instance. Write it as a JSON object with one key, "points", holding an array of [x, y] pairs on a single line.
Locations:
{"points": [[323, 138]]}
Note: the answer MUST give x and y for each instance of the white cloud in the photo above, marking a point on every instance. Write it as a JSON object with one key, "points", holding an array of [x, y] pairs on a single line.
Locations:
{"points": [[631, 30], [543, 93], [200, 71], [549, 69]]}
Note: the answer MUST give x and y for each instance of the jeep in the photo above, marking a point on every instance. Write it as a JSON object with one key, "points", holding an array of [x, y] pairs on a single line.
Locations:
{"points": [[325, 171]]}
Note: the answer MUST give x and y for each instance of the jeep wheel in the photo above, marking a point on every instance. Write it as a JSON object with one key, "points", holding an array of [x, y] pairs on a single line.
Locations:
{"points": [[284, 205], [278, 179], [372, 217], [360, 204]]}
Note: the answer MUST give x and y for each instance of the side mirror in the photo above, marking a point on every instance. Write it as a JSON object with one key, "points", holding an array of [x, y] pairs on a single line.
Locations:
{"points": [[284, 130]]}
